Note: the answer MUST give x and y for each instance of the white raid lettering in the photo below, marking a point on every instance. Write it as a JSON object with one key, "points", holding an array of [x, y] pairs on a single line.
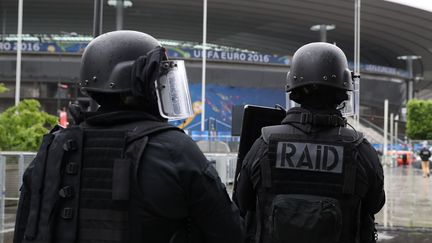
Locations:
{"points": [[309, 156]]}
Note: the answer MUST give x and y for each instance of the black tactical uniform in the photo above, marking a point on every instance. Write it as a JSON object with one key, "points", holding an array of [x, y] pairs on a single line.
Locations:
{"points": [[123, 174], [312, 179]]}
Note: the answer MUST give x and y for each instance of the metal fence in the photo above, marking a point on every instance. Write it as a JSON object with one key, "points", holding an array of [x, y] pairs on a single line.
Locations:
{"points": [[13, 164], [225, 164]]}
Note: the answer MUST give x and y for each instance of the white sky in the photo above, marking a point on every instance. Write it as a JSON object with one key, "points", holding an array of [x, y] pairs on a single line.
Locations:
{"points": [[421, 4]]}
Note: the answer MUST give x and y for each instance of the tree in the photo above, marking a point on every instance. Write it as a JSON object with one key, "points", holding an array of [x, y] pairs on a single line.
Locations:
{"points": [[22, 126], [419, 119], [3, 88]]}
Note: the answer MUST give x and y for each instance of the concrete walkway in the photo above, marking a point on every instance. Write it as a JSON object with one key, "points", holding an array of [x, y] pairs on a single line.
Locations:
{"points": [[409, 199], [405, 218]]}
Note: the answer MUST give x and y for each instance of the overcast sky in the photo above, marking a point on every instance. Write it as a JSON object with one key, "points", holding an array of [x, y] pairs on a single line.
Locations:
{"points": [[421, 4]]}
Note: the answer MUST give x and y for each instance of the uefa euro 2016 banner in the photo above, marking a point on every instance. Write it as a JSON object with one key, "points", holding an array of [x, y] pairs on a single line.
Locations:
{"points": [[188, 53], [173, 52], [231, 56]]}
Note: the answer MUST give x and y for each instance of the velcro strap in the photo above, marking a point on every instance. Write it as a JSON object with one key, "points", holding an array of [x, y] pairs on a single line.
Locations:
{"points": [[121, 179], [349, 178], [266, 173], [316, 119], [102, 235], [103, 215]]}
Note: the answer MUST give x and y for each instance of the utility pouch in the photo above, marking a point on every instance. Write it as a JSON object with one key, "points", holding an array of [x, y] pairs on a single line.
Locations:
{"points": [[305, 218]]}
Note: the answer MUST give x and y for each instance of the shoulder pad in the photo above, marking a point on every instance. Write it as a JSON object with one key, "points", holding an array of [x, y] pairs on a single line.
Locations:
{"points": [[267, 131], [56, 128], [351, 135]]}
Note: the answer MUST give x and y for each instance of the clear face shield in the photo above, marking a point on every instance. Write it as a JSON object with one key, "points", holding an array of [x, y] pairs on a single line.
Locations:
{"points": [[351, 107], [172, 91], [290, 103]]}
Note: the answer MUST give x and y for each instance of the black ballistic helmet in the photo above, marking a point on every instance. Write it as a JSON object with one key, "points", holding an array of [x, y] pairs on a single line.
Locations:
{"points": [[108, 60], [320, 64]]}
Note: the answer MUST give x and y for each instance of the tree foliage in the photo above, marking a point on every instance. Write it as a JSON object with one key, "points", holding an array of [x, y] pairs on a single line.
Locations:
{"points": [[419, 119], [22, 126], [3, 88]]}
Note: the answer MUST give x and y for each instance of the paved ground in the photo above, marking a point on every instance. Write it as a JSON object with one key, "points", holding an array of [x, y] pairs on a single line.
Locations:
{"points": [[406, 217], [404, 236], [409, 199]]}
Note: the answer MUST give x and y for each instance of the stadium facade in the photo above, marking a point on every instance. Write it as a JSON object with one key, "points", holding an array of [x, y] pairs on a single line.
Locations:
{"points": [[50, 73]]}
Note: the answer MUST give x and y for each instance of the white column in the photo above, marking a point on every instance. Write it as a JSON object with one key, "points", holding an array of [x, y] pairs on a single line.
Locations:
{"points": [[391, 130], [204, 61], [18, 47], [396, 131], [393, 158], [357, 10], [385, 131], [119, 14]]}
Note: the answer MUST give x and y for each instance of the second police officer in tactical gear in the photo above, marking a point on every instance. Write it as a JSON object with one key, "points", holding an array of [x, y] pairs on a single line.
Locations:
{"points": [[312, 179], [123, 174]]}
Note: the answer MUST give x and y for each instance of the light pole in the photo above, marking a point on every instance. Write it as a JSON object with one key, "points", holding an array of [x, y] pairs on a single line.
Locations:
{"points": [[410, 82], [19, 48], [204, 62], [120, 5], [119, 15], [323, 28], [356, 77], [97, 30]]}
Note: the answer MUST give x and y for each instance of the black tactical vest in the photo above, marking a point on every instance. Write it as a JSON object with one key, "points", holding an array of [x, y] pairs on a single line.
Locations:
{"points": [[77, 188], [307, 191]]}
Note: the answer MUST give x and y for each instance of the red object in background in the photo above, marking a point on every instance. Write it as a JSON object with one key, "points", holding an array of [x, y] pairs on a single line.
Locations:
{"points": [[63, 121], [402, 157]]}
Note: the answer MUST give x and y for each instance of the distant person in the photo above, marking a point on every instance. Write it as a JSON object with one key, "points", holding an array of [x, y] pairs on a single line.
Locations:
{"points": [[312, 179], [425, 154], [63, 118]]}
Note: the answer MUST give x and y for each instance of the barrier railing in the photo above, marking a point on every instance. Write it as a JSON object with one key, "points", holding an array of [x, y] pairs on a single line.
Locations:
{"points": [[225, 164], [12, 166]]}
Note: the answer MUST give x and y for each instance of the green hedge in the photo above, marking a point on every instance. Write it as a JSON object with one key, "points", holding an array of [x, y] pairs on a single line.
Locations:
{"points": [[419, 119], [22, 126], [3, 88]]}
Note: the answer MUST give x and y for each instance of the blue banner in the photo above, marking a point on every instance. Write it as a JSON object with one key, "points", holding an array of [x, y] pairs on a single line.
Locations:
{"points": [[50, 47], [189, 53], [220, 100], [229, 56]]}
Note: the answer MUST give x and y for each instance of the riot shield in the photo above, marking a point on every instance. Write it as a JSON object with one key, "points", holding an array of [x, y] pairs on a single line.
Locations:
{"points": [[255, 118]]}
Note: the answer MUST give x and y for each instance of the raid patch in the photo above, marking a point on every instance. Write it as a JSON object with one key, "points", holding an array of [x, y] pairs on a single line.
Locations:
{"points": [[309, 156]]}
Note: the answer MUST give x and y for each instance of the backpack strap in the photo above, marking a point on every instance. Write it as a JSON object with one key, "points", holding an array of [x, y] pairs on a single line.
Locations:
{"points": [[139, 138], [36, 176], [351, 167]]}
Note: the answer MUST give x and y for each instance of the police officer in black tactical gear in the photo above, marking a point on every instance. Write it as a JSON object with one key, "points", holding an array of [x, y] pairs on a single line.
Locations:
{"points": [[122, 173], [312, 179]]}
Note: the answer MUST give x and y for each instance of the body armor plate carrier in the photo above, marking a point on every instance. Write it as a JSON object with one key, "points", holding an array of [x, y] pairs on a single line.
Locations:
{"points": [[307, 191], [76, 190]]}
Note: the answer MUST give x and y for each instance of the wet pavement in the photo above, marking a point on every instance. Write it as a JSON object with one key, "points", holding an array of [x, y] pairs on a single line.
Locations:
{"points": [[409, 199], [405, 218], [404, 236], [407, 215]]}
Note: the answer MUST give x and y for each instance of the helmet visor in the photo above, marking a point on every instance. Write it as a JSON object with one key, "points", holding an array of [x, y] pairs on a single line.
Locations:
{"points": [[172, 91], [351, 107]]}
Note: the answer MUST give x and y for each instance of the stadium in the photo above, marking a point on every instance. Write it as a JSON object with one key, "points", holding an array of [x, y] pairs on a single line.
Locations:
{"points": [[248, 46], [242, 57]]}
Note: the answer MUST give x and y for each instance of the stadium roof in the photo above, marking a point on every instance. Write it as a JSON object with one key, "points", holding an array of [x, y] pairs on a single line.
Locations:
{"points": [[388, 29]]}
